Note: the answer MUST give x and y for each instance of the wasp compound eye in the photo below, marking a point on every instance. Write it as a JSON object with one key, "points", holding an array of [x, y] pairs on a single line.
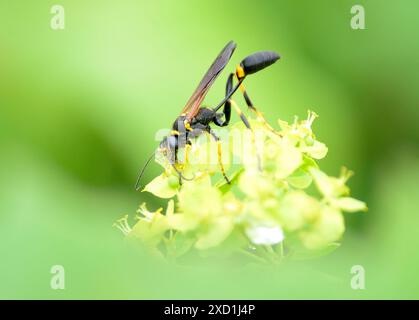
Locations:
{"points": [[258, 61]]}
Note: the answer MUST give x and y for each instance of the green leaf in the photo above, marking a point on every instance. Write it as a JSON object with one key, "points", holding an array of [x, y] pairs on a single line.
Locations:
{"points": [[161, 187]]}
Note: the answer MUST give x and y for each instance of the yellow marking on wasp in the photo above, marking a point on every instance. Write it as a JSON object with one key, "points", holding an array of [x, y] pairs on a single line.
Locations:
{"points": [[220, 162], [187, 125], [242, 88], [174, 133], [240, 72]]}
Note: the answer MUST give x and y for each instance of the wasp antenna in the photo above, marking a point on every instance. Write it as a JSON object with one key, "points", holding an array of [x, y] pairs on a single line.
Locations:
{"points": [[137, 184]]}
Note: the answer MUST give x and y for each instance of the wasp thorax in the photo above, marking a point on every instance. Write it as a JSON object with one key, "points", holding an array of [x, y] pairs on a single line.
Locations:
{"points": [[205, 116]]}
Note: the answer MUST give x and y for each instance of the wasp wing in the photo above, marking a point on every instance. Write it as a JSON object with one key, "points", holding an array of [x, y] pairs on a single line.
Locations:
{"points": [[194, 103]]}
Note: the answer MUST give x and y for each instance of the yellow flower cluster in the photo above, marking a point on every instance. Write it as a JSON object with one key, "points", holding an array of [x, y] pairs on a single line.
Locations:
{"points": [[278, 203]]}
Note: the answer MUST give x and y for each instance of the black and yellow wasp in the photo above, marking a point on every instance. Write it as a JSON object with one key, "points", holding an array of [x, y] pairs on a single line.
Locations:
{"points": [[196, 119]]}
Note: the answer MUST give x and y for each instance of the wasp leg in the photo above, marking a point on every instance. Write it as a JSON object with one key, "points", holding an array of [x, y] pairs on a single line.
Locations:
{"points": [[173, 160], [227, 105], [240, 75], [247, 124], [219, 152], [181, 176], [173, 153]]}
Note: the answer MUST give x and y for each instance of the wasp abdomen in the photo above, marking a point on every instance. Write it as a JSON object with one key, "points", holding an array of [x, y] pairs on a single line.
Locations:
{"points": [[258, 61]]}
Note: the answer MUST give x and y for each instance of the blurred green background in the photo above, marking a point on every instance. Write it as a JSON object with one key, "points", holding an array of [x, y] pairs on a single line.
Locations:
{"points": [[79, 109]]}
